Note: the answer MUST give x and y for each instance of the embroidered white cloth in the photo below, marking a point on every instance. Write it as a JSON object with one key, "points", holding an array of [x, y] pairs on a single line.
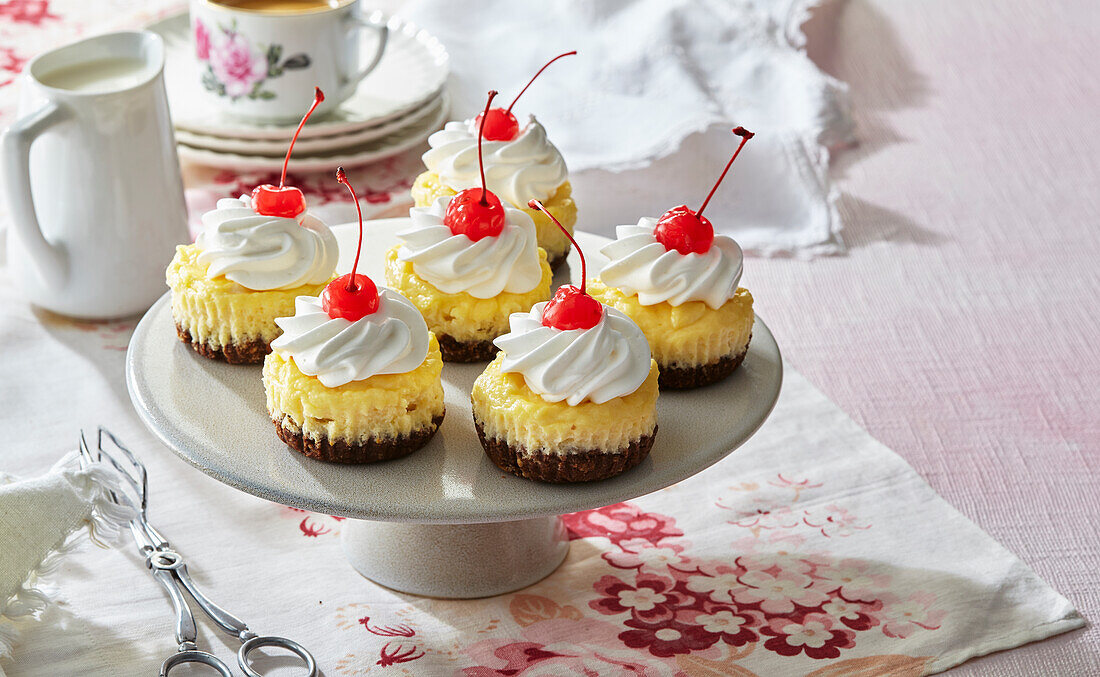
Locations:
{"points": [[813, 550], [650, 76], [41, 520]]}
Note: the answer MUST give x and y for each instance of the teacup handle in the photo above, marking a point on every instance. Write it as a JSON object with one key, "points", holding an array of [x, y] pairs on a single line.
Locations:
{"points": [[374, 22], [50, 259]]}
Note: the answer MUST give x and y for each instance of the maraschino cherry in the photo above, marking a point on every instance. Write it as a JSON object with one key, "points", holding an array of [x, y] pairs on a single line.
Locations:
{"points": [[282, 200], [570, 308], [476, 212], [689, 231], [350, 296], [499, 124]]}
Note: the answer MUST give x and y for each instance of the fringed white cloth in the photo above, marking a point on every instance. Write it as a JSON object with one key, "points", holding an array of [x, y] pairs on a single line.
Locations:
{"points": [[42, 520]]}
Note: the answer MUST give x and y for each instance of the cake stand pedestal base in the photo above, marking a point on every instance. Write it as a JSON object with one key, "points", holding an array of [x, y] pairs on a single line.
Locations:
{"points": [[456, 561]]}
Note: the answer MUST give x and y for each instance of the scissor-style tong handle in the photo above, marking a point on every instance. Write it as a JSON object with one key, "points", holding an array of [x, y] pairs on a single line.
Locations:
{"points": [[167, 563], [162, 563]]}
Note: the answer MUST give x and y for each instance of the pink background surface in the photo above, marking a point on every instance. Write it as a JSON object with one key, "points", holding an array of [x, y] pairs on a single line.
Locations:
{"points": [[961, 328]]}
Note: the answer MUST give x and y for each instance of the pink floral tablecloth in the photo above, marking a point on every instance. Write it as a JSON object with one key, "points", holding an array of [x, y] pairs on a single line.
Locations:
{"points": [[814, 550]]}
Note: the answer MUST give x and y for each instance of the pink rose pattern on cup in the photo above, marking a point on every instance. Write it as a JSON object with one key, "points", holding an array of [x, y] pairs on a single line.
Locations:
{"points": [[234, 67], [657, 605]]}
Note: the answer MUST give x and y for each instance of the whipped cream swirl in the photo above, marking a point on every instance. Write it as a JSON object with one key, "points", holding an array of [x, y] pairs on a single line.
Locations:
{"points": [[641, 265], [508, 262], [525, 168], [609, 360], [265, 252], [391, 340]]}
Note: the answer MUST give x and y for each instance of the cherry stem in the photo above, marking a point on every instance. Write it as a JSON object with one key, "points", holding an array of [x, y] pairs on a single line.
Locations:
{"points": [[318, 97], [509, 109], [535, 204], [480, 133], [343, 178], [745, 136]]}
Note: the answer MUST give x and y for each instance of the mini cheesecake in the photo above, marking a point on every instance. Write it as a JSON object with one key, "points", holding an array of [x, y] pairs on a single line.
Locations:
{"points": [[254, 257], [679, 282], [355, 392], [355, 376], [519, 165], [572, 396], [244, 270]]}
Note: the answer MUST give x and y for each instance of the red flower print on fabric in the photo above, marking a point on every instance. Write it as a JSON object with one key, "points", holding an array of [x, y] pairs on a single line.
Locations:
{"points": [[903, 617], [10, 62], [814, 635], [396, 630], [32, 12], [318, 187], [311, 528], [666, 638], [393, 653], [650, 598], [803, 603], [621, 522]]}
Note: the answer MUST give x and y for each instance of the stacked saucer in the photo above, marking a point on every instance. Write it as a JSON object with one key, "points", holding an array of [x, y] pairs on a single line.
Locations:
{"points": [[394, 109]]}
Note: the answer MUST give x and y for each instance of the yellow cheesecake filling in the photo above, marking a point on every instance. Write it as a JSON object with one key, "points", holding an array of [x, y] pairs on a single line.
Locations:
{"points": [[428, 188], [689, 334], [220, 312], [510, 411], [461, 316], [382, 406]]}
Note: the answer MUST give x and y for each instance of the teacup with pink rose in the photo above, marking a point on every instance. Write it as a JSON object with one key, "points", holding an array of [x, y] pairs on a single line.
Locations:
{"points": [[257, 59]]}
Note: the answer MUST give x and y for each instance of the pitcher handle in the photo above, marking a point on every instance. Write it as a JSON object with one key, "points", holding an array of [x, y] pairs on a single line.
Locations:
{"points": [[50, 259], [374, 22]]}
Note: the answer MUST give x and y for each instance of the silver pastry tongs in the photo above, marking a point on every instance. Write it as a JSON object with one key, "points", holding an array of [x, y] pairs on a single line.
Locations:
{"points": [[169, 569]]}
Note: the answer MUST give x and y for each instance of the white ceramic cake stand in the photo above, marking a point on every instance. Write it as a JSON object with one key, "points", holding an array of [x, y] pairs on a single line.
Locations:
{"points": [[444, 521]]}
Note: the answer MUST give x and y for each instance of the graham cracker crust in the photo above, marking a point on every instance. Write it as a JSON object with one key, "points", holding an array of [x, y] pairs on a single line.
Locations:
{"points": [[681, 378], [250, 352], [454, 350], [371, 451], [587, 465]]}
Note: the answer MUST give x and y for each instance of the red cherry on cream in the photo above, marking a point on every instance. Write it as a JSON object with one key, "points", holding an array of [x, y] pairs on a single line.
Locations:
{"points": [[350, 296], [281, 200], [570, 307], [687, 231], [499, 124], [476, 212], [286, 201]]}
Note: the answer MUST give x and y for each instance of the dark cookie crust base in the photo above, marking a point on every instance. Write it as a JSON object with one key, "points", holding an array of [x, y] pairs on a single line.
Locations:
{"points": [[249, 352], [372, 451], [556, 261], [465, 351], [588, 465], [682, 378]]}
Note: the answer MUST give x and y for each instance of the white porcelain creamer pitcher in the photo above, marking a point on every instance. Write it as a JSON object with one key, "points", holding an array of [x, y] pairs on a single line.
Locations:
{"points": [[92, 178]]}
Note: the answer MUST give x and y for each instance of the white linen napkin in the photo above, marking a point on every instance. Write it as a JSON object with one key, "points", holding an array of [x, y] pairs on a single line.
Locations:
{"points": [[649, 75], [43, 519]]}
